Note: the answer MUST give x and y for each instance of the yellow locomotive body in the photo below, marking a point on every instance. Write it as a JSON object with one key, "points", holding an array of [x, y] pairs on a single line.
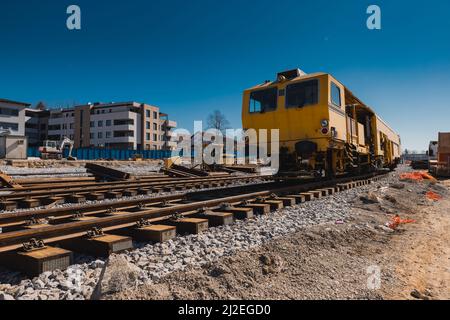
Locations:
{"points": [[323, 128]]}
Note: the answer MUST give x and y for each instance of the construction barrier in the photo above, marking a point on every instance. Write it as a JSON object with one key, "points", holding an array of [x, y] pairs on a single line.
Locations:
{"points": [[417, 176], [433, 196], [397, 221]]}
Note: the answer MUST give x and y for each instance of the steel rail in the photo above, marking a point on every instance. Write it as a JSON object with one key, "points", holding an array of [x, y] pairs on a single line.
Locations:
{"points": [[8, 218], [63, 184], [68, 190], [31, 184]]}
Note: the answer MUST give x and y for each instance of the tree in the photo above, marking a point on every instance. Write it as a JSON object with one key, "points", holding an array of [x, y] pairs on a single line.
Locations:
{"points": [[217, 120], [41, 106]]}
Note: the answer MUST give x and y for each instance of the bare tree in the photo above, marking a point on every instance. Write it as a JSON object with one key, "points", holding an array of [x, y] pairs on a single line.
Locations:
{"points": [[217, 120], [40, 106]]}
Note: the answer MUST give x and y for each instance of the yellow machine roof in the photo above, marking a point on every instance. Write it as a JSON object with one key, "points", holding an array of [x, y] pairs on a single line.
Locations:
{"points": [[302, 77]]}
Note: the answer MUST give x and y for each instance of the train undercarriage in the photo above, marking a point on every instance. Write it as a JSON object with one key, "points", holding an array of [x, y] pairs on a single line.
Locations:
{"points": [[336, 161]]}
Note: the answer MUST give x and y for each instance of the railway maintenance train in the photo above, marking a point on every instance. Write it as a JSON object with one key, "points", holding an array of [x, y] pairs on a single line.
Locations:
{"points": [[324, 129]]}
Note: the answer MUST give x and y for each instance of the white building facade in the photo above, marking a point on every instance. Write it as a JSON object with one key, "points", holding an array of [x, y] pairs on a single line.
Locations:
{"points": [[12, 116]]}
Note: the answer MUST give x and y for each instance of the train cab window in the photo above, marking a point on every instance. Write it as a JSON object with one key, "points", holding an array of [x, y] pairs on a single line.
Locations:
{"points": [[302, 94], [335, 95], [263, 100]]}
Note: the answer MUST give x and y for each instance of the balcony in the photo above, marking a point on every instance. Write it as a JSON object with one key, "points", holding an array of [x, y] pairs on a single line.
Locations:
{"points": [[123, 133], [120, 140], [170, 124]]}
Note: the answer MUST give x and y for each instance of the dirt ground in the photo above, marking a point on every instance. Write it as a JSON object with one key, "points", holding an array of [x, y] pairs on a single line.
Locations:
{"points": [[424, 260], [336, 261]]}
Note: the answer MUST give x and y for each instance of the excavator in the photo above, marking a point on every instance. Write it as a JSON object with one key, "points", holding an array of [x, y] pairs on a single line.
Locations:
{"points": [[53, 150]]}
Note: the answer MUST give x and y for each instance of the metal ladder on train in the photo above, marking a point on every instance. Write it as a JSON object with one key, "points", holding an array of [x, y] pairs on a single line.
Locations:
{"points": [[351, 154]]}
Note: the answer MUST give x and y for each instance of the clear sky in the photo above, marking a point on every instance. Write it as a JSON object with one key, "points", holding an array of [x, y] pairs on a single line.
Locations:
{"points": [[190, 57]]}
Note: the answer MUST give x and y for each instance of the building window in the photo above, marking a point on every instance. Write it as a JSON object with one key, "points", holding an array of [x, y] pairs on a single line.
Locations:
{"points": [[155, 114], [302, 94], [100, 135], [155, 137], [55, 137], [91, 135], [147, 113], [92, 124], [108, 134], [335, 95], [155, 126], [81, 117], [9, 112], [55, 115], [54, 127], [108, 123], [71, 126], [100, 123], [10, 126], [148, 136], [124, 122], [263, 100], [120, 134], [148, 125]]}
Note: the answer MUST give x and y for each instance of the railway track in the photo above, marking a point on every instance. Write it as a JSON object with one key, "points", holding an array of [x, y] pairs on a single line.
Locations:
{"points": [[102, 229], [36, 195]]}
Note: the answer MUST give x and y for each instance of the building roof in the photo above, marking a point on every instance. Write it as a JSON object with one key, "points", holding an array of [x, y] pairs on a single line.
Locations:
{"points": [[15, 102], [300, 77], [116, 104]]}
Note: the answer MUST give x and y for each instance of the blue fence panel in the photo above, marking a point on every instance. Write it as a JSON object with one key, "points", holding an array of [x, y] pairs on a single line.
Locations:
{"points": [[101, 153], [33, 152]]}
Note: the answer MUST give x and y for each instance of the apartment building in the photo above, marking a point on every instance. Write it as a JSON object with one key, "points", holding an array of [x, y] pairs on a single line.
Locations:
{"points": [[36, 124], [124, 125], [13, 142], [12, 116]]}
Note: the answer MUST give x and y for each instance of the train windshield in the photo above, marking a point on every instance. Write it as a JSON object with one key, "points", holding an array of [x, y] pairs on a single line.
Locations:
{"points": [[263, 100], [302, 94]]}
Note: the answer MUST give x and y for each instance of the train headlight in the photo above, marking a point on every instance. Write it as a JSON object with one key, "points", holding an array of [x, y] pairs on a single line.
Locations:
{"points": [[324, 131], [324, 123]]}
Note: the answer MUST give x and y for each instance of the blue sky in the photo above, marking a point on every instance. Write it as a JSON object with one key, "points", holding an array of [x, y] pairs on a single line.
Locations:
{"points": [[190, 57]]}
